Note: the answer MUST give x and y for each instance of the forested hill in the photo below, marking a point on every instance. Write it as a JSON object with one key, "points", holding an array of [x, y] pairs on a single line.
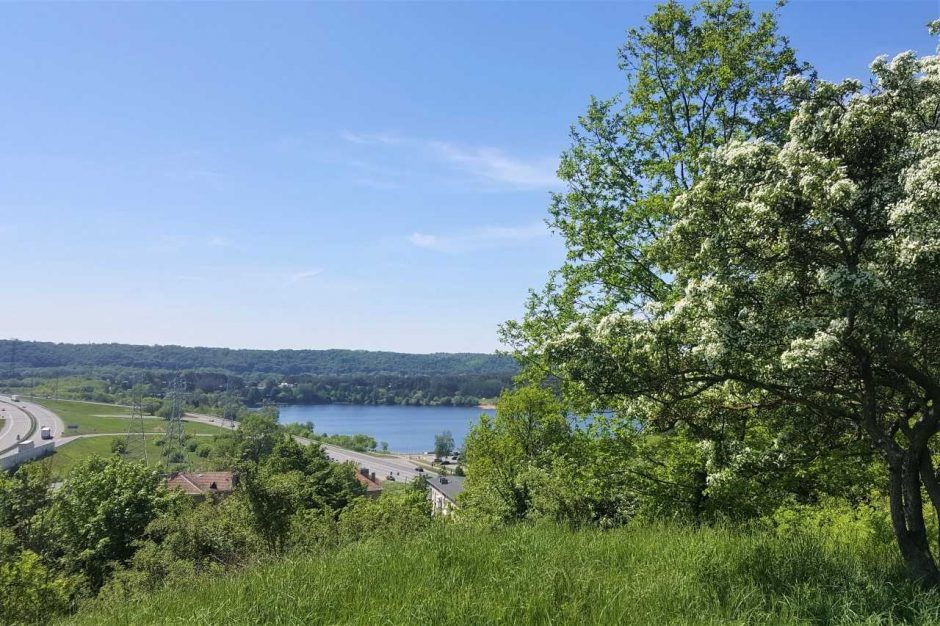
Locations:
{"points": [[39, 355]]}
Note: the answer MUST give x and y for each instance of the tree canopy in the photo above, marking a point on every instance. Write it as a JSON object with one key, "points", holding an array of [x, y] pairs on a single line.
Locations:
{"points": [[753, 265]]}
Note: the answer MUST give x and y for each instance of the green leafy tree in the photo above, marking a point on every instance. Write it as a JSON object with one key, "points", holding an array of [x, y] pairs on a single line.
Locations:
{"points": [[443, 444], [802, 278], [395, 514], [257, 433], [293, 478], [102, 508], [697, 77], [118, 446], [30, 592], [25, 497], [811, 273], [150, 405], [505, 454], [190, 539]]}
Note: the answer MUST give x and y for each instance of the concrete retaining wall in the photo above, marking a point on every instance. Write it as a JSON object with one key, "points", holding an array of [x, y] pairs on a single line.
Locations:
{"points": [[26, 451]]}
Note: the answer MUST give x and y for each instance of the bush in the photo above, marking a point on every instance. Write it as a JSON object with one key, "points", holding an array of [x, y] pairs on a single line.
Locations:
{"points": [[30, 593], [398, 513]]}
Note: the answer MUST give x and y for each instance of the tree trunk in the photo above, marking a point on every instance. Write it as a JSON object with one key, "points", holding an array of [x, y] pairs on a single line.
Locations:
{"points": [[907, 517]]}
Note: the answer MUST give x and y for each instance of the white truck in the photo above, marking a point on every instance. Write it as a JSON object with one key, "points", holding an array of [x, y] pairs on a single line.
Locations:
{"points": [[45, 432], [15, 398]]}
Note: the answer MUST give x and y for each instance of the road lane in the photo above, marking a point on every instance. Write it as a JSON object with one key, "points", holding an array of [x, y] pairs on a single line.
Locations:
{"points": [[400, 468], [45, 418], [17, 423]]}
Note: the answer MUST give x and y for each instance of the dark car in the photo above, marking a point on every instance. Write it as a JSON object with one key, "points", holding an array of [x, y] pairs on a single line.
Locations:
{"points": [[419, 469]]}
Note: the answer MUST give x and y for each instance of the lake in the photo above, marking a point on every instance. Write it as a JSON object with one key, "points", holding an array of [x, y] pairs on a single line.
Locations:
{"points": [[405, 428]]}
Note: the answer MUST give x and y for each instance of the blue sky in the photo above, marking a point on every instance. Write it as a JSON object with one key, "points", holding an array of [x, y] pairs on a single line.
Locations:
{"points": [[312, 175]]}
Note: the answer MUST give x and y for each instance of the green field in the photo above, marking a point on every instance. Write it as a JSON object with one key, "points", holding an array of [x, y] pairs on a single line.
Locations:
{"points": [[546, 574], [69, 455], [111, 422], [83, 418]]}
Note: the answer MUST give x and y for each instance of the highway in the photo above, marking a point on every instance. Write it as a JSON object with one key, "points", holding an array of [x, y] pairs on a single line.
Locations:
{"points": [[16, 424], [402, 469], [19, 418]]}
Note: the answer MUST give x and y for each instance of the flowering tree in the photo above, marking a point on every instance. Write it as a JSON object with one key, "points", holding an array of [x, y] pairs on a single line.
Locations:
{"points": [[811, 272], [807, 276], [696, 78]]}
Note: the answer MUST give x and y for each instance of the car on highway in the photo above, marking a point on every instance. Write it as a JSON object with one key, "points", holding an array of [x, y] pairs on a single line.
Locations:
{"points": [[419, 469]]}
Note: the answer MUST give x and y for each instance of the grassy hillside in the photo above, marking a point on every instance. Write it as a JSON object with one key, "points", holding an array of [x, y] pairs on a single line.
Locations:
{"points": [[542, 575]]}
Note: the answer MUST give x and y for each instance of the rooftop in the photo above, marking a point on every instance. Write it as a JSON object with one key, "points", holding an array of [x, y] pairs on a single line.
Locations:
{"points": [[371, 486], [202, 483], [451, 488]]}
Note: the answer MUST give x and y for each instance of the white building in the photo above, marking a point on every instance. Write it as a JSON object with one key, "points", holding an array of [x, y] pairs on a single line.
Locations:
{"points": [[443, 492]]}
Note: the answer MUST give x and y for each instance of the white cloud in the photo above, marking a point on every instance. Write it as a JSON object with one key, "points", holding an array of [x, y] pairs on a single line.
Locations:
{"points": [[219, 241], [494, 165], [488, 163], [169, 243], [303, 275], [377, 183], [370, 138], [480, 238]]}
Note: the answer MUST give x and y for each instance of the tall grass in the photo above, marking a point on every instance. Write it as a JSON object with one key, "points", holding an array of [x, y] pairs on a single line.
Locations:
{"points": [[545, 574]]}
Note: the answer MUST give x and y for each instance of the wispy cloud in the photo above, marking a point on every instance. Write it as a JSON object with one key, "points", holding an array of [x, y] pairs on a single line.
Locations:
{"points": [[377, 183], [493, 164], [386, 138], [197, 175], [219, 241], [169, 243], [302, 275], [480, 238], [482, 162]]}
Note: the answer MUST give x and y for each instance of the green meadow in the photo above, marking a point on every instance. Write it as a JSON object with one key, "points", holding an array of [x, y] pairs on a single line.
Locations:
{"points": [[84, 418], [105, 423], [546, 574]]}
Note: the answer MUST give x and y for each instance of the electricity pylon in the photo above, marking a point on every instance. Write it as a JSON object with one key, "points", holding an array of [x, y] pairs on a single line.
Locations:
{"points": [[174, 442], [135, 446]]}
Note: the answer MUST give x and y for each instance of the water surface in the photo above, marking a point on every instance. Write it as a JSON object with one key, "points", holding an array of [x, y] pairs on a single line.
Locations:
{"points": [[404, 428]]}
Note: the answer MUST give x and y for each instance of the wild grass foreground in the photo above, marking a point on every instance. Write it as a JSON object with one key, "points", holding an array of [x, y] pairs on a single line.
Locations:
{"points": [[541, 574]]}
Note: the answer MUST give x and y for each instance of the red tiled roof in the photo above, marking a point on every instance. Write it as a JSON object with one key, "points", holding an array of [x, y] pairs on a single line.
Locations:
{"points": [[199, 483], [370, 485]]}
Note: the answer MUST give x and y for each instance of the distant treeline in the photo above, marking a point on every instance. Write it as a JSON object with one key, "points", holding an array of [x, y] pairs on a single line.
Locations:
{"points": [[107, 372], [44, 355]]}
